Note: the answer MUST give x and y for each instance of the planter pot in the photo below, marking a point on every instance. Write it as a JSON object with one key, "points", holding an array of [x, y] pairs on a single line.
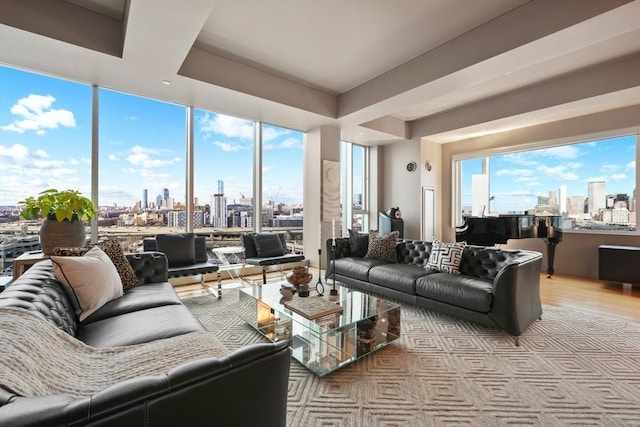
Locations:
{"points": [[61, 234]]}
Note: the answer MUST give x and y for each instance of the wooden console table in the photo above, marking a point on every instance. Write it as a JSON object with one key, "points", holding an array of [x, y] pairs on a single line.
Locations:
{"points": [[26, 260]]}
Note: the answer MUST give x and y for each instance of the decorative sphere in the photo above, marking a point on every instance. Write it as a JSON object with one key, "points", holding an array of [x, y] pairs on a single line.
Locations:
{"points": [[299, 276]]}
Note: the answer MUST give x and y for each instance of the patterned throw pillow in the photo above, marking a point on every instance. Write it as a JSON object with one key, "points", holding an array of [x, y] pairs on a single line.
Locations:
{"points": [[445, 257], [383, 247], [70, 251], [115, 252]]}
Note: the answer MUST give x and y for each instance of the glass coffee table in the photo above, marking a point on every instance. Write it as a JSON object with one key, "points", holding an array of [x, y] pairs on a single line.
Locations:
{"points": [[366, 324]]}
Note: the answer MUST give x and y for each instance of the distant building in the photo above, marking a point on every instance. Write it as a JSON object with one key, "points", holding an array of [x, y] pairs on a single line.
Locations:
{"points": [[597, 196], [219, 207], [145, 201]]}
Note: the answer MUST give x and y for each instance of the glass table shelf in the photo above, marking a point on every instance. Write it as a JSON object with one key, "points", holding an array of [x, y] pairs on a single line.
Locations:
{"points": [[366, 324]]}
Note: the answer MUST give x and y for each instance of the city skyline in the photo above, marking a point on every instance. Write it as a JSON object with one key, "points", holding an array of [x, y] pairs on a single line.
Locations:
{"points": [[516, 180], [45, 142]]}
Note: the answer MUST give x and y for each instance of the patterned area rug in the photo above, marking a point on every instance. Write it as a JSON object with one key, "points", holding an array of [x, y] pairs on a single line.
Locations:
{"points": [[572, 368]]}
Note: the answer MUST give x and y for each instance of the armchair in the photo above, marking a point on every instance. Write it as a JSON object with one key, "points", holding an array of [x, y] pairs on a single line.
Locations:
{"points": [[186, 256], [266, 249]]}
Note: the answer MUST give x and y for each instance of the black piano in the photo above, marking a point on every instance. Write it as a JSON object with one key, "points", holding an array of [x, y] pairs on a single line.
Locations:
{"points": [[488, 231]]}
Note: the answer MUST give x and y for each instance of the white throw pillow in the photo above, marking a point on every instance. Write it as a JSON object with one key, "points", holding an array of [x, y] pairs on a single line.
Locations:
{"points": [[90, 280], [446, 256]]}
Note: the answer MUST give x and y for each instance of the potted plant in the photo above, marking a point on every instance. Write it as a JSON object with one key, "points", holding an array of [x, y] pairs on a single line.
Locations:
{"points": [[64, 213]]}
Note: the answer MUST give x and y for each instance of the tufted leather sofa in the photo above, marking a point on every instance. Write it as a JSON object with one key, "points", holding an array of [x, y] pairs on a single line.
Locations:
{"points": [[496, 287], [198, 392]]}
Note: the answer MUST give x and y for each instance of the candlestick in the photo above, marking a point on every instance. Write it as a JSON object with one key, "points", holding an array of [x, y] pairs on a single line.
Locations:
{"points": [[320, 236], [333, 231]]}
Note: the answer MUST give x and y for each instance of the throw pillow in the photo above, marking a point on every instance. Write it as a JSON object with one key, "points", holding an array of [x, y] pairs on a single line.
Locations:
{"points": [[70, 251], [382, 247], [90, 280], [358, 243], [268, 244], [445, 257], [115, 252], [179, 248]]}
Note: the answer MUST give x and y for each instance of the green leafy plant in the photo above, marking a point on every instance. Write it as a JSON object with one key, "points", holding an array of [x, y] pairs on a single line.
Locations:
{"points": [[61, 205]]}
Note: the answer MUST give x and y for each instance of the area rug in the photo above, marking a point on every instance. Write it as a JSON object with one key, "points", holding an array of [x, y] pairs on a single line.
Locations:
{"points": [[572, 369]]}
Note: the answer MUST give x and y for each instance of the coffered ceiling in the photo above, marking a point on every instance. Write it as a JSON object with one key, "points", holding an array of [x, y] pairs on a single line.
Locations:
{"points": [[380, 70]]}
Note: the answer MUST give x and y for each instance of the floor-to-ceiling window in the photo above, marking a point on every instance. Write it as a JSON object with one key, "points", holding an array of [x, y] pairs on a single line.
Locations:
{"points": [[45, 142], [354, 174], [141, 183], [141, 167], [282, 182]]}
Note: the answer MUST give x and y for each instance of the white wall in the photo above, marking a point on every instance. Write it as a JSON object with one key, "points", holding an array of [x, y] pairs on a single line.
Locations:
{"points": [[400, 187]]}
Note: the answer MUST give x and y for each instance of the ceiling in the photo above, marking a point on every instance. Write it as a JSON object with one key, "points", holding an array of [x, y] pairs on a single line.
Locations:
{"points": [[380, 70]]}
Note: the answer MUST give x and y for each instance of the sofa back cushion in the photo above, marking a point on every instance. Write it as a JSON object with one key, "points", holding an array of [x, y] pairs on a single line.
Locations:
{"points": [[38, 290], [268, 245], [260, 244], [180, 248], [358, 243]]}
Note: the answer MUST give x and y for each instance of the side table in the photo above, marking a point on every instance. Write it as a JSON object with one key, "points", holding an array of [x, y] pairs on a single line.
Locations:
{"points": [[26, 260]]}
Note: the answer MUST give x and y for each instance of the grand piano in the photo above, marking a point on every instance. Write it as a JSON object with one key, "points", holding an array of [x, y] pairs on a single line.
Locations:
{"points": [[491, 230]]}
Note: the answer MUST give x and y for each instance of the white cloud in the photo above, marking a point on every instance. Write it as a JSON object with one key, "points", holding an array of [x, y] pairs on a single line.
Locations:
{"points": [[608, 168], [559, 172], [141, 157], [561, 152], [112, 157], [35, 113], [514, 172], [618, 176], [228, 126], [17, 153], [631, 166], [227, 146]]}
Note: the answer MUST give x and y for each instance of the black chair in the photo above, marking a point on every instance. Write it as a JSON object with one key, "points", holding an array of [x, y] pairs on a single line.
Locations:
{"points": [[186, 256], [266, 249]]}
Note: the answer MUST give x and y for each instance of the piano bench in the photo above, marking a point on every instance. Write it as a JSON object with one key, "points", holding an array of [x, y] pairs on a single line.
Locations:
{"points": [[614, 264]]}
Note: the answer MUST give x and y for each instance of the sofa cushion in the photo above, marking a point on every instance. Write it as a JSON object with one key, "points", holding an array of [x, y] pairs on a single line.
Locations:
{"points": [[138, 298], [446, 256], [462, 291], [115, 252], [401, 277], [356, 268], [358, 243], [268, 244], [140, 326], [382, 247], [91, 280], [179, 248]]}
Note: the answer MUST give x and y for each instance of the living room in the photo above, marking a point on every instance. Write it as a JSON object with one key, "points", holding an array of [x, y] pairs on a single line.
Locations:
{"points": [[477, 81]]}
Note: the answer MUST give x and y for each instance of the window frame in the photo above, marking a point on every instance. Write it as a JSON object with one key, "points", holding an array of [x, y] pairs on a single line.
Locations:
{"points": [[456, 159]]}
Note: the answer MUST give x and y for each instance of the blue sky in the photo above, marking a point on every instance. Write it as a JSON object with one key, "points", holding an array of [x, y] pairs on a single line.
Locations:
{"points": [[517, 179], [45, 142]]}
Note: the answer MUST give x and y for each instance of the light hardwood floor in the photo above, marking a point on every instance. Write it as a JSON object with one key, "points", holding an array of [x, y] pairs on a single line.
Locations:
{"points": [[565, 291]]}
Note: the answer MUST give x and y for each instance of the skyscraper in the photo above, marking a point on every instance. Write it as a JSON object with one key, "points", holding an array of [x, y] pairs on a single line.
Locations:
{"points": [[219, 207], [165, 194], [145, 201], [597, 196], [562, 199]]}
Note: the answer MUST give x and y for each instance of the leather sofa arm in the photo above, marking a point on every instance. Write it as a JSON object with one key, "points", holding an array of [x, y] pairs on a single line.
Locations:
{"points": [[516, 295], [200, 392], [150, 267]]}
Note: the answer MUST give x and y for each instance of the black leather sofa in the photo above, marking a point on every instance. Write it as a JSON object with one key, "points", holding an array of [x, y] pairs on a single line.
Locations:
{"points": [[497, 287], [246, 387]]}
